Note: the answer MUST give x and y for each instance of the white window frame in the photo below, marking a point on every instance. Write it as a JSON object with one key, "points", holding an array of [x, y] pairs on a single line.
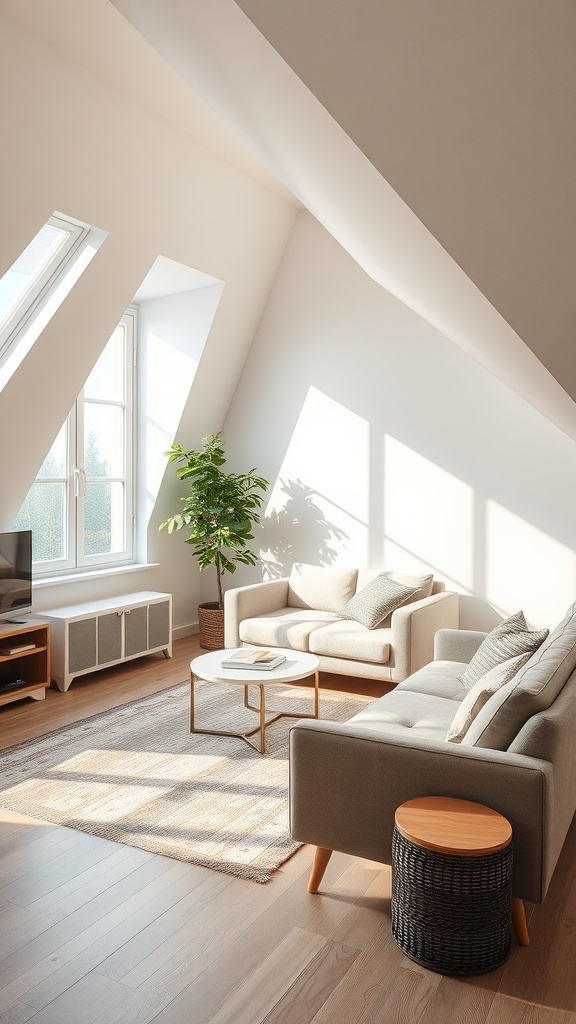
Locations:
{"points": [[41, 286], [83, 561], [75, 560]]}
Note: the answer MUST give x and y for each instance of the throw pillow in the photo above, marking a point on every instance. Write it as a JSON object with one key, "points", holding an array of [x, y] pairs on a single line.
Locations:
{"points": [[534, 689], [422, 583], [508, 639], [480, 693], [376, 600]]}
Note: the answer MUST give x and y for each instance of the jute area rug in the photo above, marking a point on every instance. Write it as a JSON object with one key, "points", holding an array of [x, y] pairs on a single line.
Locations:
{"points": [[137, 776]]}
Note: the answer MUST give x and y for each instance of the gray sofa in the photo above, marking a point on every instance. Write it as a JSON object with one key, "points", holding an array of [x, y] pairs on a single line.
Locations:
{"points": [[302, 612], [518, 756]]}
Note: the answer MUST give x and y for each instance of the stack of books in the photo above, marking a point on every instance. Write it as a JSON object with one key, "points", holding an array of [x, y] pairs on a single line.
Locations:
{"points": [[253, 659]]}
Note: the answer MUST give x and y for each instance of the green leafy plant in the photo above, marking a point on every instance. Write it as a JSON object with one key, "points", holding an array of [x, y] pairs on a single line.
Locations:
{"points": [[220, 508]]}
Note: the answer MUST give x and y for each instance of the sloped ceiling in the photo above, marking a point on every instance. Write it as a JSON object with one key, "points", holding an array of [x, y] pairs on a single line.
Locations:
{"points": [[469, 112], [473, 252], [435, 142]]}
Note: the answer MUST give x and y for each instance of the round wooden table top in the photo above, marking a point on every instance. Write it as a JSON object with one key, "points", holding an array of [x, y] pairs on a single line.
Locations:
{"points": [[458, 827]]}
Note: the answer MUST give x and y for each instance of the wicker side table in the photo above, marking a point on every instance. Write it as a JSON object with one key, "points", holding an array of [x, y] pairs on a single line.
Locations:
{"points": [[451, 885]]}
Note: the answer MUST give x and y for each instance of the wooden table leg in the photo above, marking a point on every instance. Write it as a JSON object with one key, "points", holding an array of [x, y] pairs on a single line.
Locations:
{"points": [[262, 718], [321, 858], [191, 702], [519, 921]]}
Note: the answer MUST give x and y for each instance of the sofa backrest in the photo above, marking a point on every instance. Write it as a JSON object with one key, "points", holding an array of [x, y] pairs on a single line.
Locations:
{"points": [[327, 588], [324, 588]]}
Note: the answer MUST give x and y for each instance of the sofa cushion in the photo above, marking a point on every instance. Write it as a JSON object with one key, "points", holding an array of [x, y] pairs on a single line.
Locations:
{"points": [[480, 694], [287, 627], [508, 639], [348, 639], [422, 582], [532, 690], [376, 600], [320, 587], [412, 714], [438, 679]]}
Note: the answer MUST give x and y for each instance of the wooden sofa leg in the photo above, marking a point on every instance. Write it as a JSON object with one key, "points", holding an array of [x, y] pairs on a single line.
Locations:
{"points": [[519, 921], [321, 858]]}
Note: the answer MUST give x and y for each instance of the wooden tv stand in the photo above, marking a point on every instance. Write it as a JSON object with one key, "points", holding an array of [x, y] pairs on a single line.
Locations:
{"points": [[32, 666]]}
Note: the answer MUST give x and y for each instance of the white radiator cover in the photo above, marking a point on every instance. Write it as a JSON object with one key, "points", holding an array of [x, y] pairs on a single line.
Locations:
{"points": [[97, 634]]}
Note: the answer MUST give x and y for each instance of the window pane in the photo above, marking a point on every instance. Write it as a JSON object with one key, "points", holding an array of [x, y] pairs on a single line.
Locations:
{"points": [[106, 382], [104, 440], [44, 512], [104, 518], [28, 267], [54, 464]]}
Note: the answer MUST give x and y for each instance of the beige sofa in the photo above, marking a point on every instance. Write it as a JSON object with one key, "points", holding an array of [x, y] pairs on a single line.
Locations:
{"points": [[517, 756], [302, 612]]}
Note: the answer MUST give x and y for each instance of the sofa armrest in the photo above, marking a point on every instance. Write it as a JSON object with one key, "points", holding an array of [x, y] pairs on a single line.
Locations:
{"points": [[413, 629], [346, 783], [457, 644], [245, 602]]}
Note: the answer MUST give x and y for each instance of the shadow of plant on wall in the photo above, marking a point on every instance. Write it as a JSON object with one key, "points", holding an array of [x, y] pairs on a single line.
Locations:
{"points": [[298, 532]]}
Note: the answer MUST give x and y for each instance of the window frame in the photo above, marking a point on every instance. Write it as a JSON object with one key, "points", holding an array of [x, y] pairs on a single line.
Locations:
{"points": [[75, 561], [41, 286]]}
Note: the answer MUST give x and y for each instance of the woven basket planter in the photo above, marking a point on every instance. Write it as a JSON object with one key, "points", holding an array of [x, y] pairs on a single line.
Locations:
{"points": [[211, 622]]}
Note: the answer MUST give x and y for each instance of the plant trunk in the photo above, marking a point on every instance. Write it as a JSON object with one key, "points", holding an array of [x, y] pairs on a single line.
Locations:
{"points": [[219, 578]]}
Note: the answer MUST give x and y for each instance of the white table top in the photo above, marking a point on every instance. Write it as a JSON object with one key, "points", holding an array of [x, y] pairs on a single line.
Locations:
{"points": [[298, 665]]}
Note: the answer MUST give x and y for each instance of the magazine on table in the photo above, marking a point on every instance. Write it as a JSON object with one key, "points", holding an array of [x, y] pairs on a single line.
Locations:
{"points": [[262, 660]]}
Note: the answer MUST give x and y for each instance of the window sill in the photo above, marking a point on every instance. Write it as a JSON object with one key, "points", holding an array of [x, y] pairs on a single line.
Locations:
{"points": [[92, 574]]}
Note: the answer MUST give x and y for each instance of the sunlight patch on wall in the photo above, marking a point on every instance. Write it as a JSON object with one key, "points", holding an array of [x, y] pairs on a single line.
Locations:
{"points": [[318, 506], [168, 377], [526, 568], [428, 517]]}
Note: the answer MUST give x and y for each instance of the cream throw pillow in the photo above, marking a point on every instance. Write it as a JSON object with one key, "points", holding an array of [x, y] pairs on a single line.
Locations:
{"points": [[481, 692]]}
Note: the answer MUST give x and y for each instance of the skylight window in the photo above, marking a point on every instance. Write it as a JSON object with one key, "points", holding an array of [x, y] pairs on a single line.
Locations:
{"points": [[38, 282]]}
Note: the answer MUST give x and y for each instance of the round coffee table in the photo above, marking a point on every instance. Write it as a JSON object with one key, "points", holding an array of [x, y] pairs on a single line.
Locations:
{"points": [[298, 665]]}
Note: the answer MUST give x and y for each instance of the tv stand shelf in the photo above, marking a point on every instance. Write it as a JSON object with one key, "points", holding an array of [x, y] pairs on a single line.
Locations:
{"points": [[31, 666]]}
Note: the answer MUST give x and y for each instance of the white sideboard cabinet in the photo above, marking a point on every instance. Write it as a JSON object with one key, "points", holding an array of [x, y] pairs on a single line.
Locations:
{"points": [[87, 637]]}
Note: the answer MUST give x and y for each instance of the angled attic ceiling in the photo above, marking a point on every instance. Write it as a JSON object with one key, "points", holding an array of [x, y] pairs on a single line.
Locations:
{"points": [[439, 151], [468, 111], [435, 142]]}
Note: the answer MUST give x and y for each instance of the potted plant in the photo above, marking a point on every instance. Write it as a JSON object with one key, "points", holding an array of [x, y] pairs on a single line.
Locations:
{"points": [[220, 510]]}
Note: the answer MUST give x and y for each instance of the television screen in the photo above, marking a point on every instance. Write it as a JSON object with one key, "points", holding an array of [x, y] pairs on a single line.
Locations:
{"points": [[15, 574]]}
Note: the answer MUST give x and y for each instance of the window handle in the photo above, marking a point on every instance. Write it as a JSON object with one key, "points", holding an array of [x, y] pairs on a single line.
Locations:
{"points": [[80, 487]]}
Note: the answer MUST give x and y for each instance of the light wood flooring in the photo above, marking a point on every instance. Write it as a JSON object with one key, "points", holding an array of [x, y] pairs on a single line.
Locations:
{"points": [[92, 932]]}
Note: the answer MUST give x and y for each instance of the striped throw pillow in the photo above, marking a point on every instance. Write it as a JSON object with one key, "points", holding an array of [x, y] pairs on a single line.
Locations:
{"points": [[507, 640]]}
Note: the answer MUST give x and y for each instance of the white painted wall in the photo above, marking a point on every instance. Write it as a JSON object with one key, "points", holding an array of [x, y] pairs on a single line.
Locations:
{"points": [[73, 142], [172, 333], [386, 445]]}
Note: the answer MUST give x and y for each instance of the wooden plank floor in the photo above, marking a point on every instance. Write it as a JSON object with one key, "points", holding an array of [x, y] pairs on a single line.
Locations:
{"points": [[97, 933]]}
